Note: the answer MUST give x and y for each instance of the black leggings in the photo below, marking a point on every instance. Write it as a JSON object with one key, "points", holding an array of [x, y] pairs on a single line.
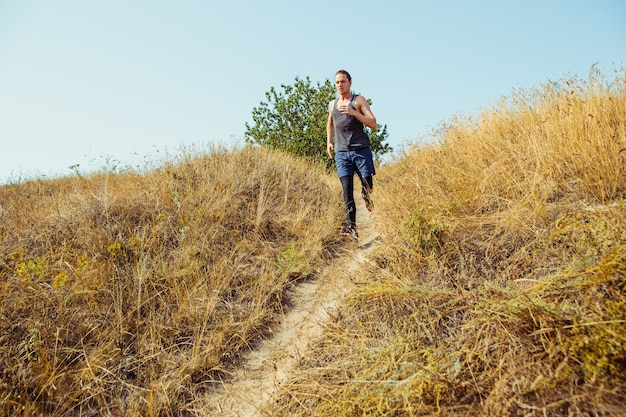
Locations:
{"points": [[347, 183]]}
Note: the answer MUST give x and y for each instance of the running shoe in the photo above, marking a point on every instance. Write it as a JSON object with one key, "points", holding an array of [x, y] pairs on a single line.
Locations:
{"points": [[349, 231]]}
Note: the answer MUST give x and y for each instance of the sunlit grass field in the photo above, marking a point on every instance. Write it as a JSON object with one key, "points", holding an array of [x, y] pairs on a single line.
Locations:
{"points": [[498, 287], [125, 294]]}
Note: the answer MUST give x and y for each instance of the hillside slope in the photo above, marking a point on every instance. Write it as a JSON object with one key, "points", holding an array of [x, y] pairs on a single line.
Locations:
{"points": [[127, 294], [499, 288], [218, 285]]}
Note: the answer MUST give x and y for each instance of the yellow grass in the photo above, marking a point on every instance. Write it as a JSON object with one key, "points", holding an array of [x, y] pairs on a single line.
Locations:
{"points": [[498, 287], [135, 293]]}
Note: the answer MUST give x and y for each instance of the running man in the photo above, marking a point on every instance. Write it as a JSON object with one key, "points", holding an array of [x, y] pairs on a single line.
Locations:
{"points": [[345, 136]]}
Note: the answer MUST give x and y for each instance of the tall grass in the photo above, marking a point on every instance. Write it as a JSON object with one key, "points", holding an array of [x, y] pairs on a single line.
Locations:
{"points": [[500, 289], [125, 294]]}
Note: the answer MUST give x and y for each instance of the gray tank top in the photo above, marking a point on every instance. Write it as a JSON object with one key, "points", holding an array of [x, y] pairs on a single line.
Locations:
{"points": [[349, 133]]}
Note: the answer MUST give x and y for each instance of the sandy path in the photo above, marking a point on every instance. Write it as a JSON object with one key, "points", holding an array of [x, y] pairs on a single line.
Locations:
{"points": [[268, 367]]}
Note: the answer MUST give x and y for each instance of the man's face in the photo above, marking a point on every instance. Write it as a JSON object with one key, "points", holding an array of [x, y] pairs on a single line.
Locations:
{"points": [[342, 83]]}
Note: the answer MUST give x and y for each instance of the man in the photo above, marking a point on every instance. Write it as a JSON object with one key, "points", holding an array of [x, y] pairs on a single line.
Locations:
{"points": [[351, 145]]}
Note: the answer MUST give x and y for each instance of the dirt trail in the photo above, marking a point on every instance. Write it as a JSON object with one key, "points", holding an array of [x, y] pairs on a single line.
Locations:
{"points": [[267, 367]]}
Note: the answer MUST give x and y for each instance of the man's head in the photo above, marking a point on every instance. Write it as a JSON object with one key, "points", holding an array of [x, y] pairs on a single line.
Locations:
{"points": [[343, 82], [344, 72]]}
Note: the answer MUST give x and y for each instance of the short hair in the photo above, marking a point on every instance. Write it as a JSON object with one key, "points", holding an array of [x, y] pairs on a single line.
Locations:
{"points": [[344, 72]]}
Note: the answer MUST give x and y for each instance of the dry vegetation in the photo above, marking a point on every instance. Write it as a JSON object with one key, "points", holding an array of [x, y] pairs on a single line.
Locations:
{"points": [[498, 289], [132, 294]]}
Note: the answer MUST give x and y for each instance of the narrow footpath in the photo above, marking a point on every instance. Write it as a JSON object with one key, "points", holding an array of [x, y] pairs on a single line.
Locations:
{"points": [[269, 366]]}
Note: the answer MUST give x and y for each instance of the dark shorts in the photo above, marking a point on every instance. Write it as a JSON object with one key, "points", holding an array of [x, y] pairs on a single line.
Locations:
{"points": [[360, 161]]}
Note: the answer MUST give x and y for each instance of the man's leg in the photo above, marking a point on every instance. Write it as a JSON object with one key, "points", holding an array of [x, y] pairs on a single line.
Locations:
{"points": [[364, 164], [347, 184], [367, 185]]}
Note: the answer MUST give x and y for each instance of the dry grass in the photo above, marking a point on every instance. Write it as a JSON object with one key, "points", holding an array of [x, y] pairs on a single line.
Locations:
{"points": [[500, 289], [133, 294]]}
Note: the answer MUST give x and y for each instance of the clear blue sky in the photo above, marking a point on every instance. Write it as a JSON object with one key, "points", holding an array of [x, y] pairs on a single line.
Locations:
{"points": [[86, 82]]}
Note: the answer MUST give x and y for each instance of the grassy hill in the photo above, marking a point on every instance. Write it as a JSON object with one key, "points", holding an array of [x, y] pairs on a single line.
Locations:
{"points": [[498, 287], [133, 293]]}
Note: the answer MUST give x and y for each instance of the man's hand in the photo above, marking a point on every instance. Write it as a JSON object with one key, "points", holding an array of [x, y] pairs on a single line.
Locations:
{"points": [[346, 109], [361, 112], [329, 149]]}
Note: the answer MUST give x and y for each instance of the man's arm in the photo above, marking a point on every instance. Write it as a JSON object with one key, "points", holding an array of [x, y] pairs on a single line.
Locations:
{"points": [[363, 112], [330, 130]]}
